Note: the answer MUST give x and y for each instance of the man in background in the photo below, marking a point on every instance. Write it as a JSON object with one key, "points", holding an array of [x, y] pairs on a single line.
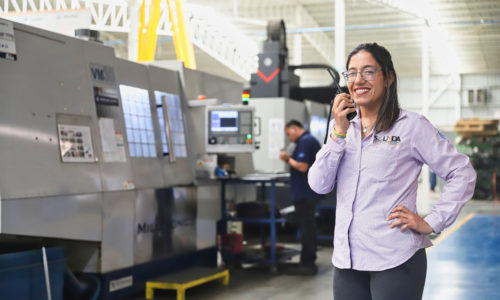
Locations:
{"points": [[303, 198]]}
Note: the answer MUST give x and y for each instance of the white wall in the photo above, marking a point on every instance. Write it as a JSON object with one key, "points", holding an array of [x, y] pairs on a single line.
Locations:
{"points": [[490, 82], [445, 112]]}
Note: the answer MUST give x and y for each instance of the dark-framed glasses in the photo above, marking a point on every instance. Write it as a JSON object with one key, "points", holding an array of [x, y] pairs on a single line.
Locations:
{"points": [[367, 74]]}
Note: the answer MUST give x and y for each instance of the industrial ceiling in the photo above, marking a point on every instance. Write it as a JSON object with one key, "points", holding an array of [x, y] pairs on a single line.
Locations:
{"points": [[471, 28], [463, 35]]}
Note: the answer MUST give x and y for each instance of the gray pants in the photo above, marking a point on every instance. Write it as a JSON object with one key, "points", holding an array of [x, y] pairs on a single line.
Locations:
{"points": [[405, 281]]}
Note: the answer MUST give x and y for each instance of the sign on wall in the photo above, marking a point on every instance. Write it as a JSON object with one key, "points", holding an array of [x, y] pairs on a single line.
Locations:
{"points": [[63, 21], [7, 41]]}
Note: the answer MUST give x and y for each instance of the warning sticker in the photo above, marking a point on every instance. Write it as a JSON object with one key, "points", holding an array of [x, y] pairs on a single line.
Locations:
{"points": [[7, 41]]}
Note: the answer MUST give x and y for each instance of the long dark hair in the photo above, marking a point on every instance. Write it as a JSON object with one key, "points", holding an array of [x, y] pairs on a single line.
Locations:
{"points": [[389, 110]]}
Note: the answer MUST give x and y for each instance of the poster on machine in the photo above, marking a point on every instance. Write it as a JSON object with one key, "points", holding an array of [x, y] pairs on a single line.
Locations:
{"points": [[75, 143], [7, 41], [113, 147], [276, 138]]}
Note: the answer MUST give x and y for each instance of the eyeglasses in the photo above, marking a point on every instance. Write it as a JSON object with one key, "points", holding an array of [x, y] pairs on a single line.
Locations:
{"points": [[367, 74]]}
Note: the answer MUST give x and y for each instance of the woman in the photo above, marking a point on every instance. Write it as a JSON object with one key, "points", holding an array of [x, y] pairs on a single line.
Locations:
{"points": [[375, 160]]}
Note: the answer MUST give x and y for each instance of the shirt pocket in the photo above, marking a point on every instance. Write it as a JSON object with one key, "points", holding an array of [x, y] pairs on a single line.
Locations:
{"points": [[380, 162]]}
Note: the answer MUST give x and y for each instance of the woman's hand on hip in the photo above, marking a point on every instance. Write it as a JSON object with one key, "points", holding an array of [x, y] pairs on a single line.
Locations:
{"points": [[408, 219]]}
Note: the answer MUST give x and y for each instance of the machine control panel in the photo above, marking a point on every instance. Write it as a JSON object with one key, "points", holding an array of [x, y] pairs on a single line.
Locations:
{"points": [[229, 129]]}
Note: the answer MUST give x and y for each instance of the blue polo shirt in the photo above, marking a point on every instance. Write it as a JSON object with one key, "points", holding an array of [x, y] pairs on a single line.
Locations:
{"points": [[305, 151]]}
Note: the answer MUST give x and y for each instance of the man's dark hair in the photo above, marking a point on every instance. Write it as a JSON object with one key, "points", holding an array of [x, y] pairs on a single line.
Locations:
{"points": [[389, 110], [294, 123]]}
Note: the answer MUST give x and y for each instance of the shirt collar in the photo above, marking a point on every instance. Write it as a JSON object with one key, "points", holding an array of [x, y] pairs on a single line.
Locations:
{"points": [[357, 119], [303, 134], [402, 114]]}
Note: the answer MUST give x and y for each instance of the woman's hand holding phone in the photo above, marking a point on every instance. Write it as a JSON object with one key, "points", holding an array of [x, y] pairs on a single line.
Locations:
{"points": [[342, 106]]}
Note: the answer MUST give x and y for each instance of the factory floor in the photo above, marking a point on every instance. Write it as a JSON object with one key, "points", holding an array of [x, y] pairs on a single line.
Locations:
{"points": [[260, 283]]}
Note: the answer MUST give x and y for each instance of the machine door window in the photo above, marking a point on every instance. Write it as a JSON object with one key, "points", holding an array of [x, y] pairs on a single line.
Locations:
{"points": [[138, 122], [172, 128]]}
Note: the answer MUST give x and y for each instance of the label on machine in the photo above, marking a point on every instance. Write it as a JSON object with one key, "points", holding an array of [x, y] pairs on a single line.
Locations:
{"points": [[276, 137], [120, 283], [113, 147], [106, 96], [75, 143], [7, 41]]}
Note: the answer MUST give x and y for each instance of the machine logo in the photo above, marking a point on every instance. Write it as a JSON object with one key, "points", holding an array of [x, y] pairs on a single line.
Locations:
{"points": [[146, 227], [268, 62], [268, 79], [102, 73]]}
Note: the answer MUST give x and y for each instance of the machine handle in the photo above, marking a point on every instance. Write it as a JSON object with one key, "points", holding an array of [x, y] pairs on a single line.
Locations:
{"points": [[260, 126], [168, 129], [46, 273]]}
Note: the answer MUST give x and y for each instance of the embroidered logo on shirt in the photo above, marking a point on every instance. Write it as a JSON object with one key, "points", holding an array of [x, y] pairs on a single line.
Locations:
{"points": [[441, 135], [387, 139], [301, 154]]}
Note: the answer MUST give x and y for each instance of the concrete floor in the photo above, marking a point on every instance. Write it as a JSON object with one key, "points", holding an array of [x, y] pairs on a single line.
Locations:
{"points": [[466, 264], [260, 283]]}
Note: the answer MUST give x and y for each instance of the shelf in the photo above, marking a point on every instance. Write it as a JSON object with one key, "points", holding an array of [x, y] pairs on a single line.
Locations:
{"points": [[324, 237], [272, 254], [262, 256], [326, 206]]}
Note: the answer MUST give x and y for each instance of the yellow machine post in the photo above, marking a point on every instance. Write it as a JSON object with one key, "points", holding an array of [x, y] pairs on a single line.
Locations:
{"points": [[182, 41], [147, 33], [148, 37]]}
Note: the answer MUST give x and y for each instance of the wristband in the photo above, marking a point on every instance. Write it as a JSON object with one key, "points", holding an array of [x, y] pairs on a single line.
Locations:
{"points": [[342, 136]]}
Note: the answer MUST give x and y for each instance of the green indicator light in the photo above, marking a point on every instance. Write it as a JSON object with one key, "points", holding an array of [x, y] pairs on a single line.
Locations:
{"points": [[249, 136]]}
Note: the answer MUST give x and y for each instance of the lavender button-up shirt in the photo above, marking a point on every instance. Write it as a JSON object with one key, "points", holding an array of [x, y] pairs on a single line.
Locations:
{"points": [[380, 172]]}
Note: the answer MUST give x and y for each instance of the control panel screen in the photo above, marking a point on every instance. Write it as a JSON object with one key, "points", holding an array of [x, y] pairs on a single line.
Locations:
{"points": [[224, 121], [230, 129]]}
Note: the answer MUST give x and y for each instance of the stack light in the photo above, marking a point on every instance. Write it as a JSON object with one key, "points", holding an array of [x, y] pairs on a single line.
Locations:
{"points": [[245, 97]]}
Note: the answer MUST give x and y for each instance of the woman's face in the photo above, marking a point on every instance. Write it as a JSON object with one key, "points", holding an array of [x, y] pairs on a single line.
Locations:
{"points": [[367, 90]]}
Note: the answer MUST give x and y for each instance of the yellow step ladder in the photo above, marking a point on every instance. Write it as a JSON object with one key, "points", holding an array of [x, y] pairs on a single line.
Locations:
{"points": [[183, 280]]}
